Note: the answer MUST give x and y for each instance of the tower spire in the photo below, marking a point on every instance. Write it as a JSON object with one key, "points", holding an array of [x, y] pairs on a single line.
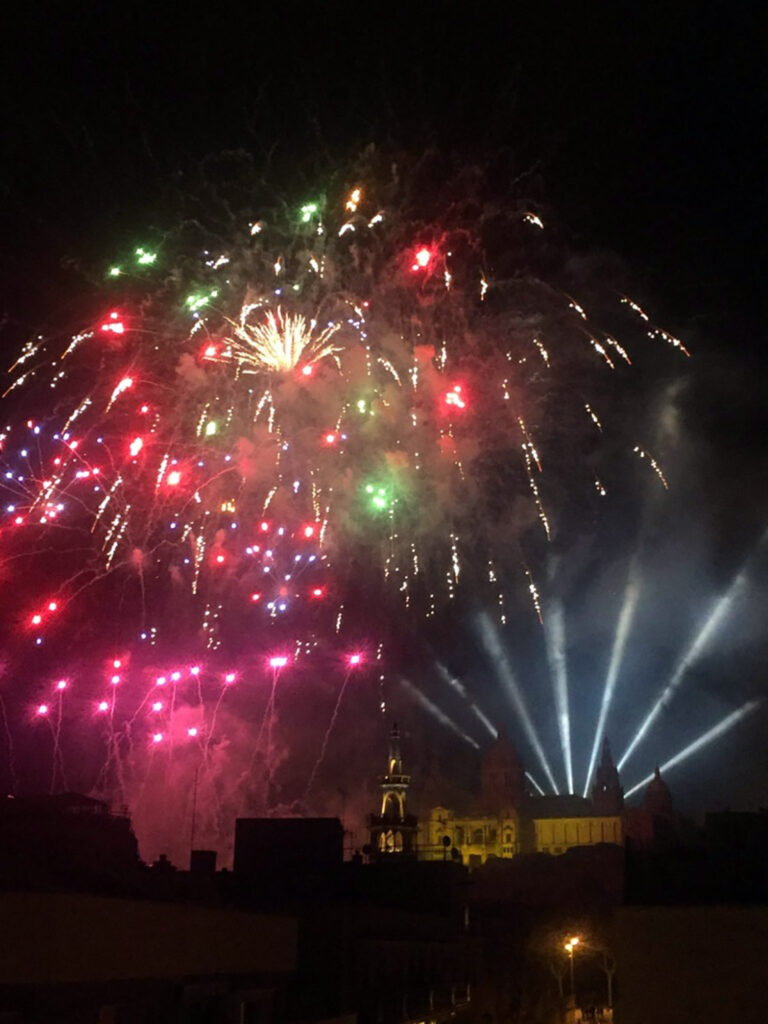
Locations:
{"points": [[395, 764], [607, 792]]}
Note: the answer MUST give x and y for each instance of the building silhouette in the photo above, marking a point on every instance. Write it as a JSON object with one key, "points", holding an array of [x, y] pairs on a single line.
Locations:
{"points": [[66, 840], [607, 791], [655, 823]]}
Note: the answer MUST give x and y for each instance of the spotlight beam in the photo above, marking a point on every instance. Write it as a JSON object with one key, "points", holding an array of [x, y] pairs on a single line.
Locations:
{"points": [[710, 626], [535, 784], [459, 687], [435, 711], [554, 634], [631, 594], [512, 689], [707, 737]]}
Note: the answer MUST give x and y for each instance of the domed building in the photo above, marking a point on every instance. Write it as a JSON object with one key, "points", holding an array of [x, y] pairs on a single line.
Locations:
{"points": [[502, 779], [658, 799], [506, 820], [655, 823]]}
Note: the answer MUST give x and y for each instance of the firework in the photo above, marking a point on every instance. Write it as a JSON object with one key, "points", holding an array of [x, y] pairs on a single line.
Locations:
{"points": [[251, 447], [279, 343], [191, 445]]}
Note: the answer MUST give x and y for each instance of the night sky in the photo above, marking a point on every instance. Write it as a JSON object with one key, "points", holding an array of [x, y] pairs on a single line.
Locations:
{"points": [[640, 126]]}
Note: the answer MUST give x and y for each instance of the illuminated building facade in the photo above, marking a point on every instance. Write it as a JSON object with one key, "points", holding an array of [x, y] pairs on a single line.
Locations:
{"points": [[561, 822], [506, 821]]}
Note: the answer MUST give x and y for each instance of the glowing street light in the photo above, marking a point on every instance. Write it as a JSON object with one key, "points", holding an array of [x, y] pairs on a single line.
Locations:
{"points": [[570, 948]]}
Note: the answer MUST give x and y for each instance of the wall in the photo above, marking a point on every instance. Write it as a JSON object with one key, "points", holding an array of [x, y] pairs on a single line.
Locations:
{"points": [[556, 835], [66, 938], [681, 964]]}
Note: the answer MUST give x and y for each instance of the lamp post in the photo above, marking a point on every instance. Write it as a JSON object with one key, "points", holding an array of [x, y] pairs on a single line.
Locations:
{"points": [[570, 948]]}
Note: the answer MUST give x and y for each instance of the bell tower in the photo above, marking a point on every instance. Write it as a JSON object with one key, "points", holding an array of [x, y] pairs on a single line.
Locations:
{"points": [[393, 830]]}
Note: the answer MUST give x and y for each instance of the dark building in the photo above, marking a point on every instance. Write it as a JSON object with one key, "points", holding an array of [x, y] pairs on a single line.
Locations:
{"points": [[680, 964], [77, 957], [655, 823], [737, 851], [384, 941], [91, 934], [287, 847], [67, 841]]}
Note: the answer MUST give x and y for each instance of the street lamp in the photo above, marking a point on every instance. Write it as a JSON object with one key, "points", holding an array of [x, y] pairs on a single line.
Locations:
{"points": [[570, 947]]}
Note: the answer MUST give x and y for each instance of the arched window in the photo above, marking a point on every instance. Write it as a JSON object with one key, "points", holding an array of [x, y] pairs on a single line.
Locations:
{"points": [[507, 838], [392, 806], [459, 836], [477, 836], [398, 842]]}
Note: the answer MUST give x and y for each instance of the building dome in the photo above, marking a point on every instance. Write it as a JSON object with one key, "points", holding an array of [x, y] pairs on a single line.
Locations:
{"points": [[502, 776], [658, 799]]}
